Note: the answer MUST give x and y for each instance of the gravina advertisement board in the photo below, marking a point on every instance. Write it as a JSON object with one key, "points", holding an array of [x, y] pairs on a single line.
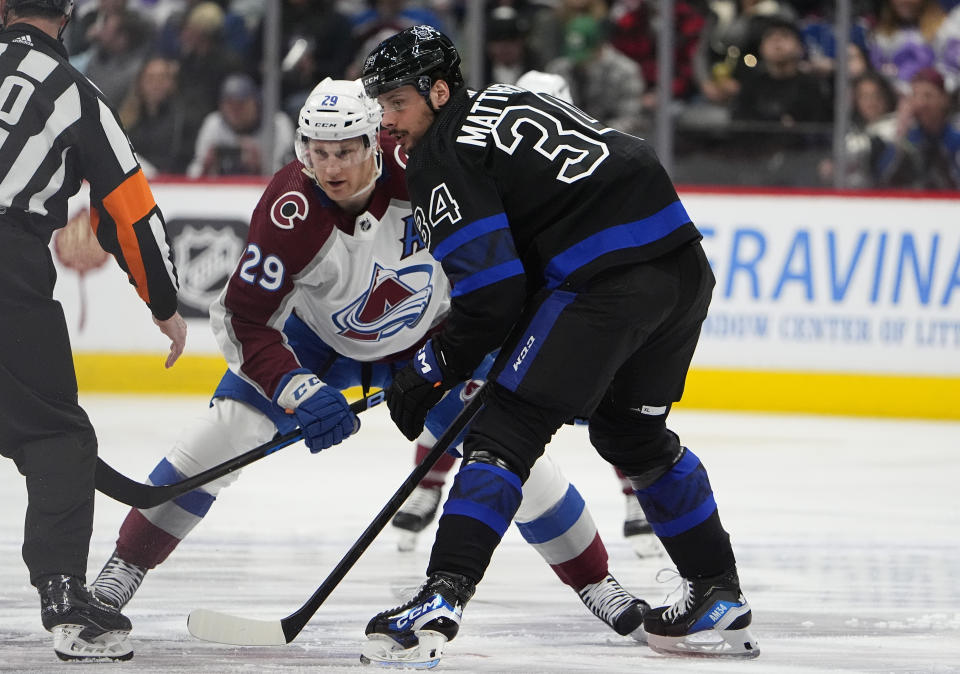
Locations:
{"points": [[824, 302]]}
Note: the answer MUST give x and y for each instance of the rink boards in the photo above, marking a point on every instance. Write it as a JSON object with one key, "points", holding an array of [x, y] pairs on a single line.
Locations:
{"points": [[824, 303]]}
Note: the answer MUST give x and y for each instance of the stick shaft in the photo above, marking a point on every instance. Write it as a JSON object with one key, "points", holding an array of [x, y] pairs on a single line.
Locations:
{"points": [[121, 488], [296, 621]]}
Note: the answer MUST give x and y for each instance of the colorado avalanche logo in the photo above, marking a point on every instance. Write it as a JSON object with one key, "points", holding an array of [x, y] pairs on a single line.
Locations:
{"points": [[394, 300]]}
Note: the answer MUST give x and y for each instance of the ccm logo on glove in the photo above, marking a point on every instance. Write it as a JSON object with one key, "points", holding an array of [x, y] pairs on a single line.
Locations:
{"points": [[322, 412]]}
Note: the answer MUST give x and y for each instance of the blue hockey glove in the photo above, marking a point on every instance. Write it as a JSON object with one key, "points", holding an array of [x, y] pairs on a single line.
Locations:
{"points": [[418, 387], [322, 412]]}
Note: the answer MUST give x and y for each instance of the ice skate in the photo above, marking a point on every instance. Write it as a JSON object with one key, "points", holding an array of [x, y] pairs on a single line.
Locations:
{"points": [[118, 581], [417, 512], [83, 627], [615, 606], [412, 636], [711, 619], [638, 531]]}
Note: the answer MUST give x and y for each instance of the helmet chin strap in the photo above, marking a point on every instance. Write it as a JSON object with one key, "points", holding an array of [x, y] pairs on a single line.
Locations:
{"points": [[377, 171]]}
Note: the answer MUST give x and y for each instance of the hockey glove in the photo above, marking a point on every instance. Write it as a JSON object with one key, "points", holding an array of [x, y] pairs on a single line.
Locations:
{"points": [[418, 387], [322, 412]]}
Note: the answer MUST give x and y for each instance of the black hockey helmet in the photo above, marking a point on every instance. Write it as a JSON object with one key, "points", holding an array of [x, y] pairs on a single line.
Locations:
{"points": [[42, 7], [419, 56]]}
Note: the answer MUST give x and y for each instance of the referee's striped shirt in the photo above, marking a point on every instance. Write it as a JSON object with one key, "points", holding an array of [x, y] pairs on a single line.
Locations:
{"points": [[56, 129]]}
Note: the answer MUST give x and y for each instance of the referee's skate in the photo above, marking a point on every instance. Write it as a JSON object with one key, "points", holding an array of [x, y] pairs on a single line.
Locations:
{"points": [[83, 627]]}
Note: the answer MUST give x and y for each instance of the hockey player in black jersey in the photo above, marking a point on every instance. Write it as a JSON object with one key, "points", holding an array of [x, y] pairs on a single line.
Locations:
{"points": [[568, 249]]}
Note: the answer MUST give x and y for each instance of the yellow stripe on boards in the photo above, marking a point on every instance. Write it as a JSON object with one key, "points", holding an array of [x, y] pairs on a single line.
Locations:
{"points": [[882, 395], [879, 395], [144, 373]]}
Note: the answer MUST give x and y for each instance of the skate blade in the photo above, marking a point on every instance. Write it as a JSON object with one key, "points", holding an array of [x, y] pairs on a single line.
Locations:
{"points": [[707, 644], [383, 651], [68, 645], [407, 541]]}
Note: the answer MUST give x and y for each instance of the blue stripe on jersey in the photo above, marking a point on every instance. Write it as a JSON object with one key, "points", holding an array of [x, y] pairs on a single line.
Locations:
{"points": [[486, 493], [470, 232], [556, 521], [681, 499], [526, 350], [195, 502], [485, 277], [629, 235]]}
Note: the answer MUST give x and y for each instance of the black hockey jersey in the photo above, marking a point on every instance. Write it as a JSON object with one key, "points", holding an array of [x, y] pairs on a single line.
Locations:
{"points": [[515, 191]]}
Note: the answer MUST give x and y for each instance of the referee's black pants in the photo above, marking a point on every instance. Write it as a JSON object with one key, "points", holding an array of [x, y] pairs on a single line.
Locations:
{"points": [[42, 426]]}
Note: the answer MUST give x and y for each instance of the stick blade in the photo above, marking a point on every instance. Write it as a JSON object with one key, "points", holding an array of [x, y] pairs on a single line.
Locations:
{"points": [[222, 628]]}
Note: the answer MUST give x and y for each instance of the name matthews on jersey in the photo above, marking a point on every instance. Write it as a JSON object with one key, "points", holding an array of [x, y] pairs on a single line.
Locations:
{"points": [[485, 114]]}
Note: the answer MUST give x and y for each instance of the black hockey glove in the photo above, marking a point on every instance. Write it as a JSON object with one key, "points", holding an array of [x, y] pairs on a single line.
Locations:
{"points": [[418, 387]]}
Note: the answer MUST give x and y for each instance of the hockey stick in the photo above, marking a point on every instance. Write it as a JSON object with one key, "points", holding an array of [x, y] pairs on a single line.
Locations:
{"points": [[228, 629], [118, 486]]}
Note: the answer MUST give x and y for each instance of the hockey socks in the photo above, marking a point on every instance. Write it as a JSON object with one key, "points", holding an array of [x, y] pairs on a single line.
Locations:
{"points": [[566, 537], [482, 502], [683, 513]]}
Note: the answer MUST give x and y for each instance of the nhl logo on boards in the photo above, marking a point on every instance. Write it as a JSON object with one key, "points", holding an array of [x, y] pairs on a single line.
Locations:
{"points": [[206, 252]]}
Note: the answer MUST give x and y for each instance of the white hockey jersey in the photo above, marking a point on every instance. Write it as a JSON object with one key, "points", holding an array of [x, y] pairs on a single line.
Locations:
{"points": [[366, 285]]}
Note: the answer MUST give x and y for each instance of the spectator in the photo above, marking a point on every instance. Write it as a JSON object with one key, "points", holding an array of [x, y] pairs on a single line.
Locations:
{"points": [[816, 21], [604, 83], [902, 43], [157, 120], [508, 55], [543, 37], [635, 34], [231, 139], [234, 34], [381, 19], [552, 27], [120, 41], [947, 47], [925, 153], [317, 43], [203, 57], [872, 127], [729, 39], [393, 16], [778, 91], [85, 24]]}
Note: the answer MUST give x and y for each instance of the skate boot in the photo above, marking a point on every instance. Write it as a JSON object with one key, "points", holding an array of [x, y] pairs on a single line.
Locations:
{"points": [[118, 581], [418, 511], [412, 635], [712, 618], [83, 627], [615, 606], [638, 531]]}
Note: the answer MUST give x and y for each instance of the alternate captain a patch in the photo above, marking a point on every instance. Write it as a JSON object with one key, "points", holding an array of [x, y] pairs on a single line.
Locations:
{"points": [[394, 300]]}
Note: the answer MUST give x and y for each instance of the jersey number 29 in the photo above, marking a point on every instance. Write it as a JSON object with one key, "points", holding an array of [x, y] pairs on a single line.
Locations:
{"points": [[269, 276]]}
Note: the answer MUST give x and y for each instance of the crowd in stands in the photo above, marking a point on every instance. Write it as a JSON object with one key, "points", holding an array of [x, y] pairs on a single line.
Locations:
{"points": [[752, 91]]}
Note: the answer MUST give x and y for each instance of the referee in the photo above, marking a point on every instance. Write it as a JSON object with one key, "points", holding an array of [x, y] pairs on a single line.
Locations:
{"points": [[56, 129]]}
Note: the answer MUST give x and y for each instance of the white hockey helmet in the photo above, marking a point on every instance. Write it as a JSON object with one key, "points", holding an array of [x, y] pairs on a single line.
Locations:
{"points": [[546, 83], [337, 110]]}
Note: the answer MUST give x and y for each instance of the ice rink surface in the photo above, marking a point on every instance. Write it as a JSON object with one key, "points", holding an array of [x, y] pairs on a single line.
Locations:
{"points": [[847, 533]]}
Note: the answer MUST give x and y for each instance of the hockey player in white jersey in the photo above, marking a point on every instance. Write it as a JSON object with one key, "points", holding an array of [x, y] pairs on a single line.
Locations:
{"points": [[336, 289]]}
